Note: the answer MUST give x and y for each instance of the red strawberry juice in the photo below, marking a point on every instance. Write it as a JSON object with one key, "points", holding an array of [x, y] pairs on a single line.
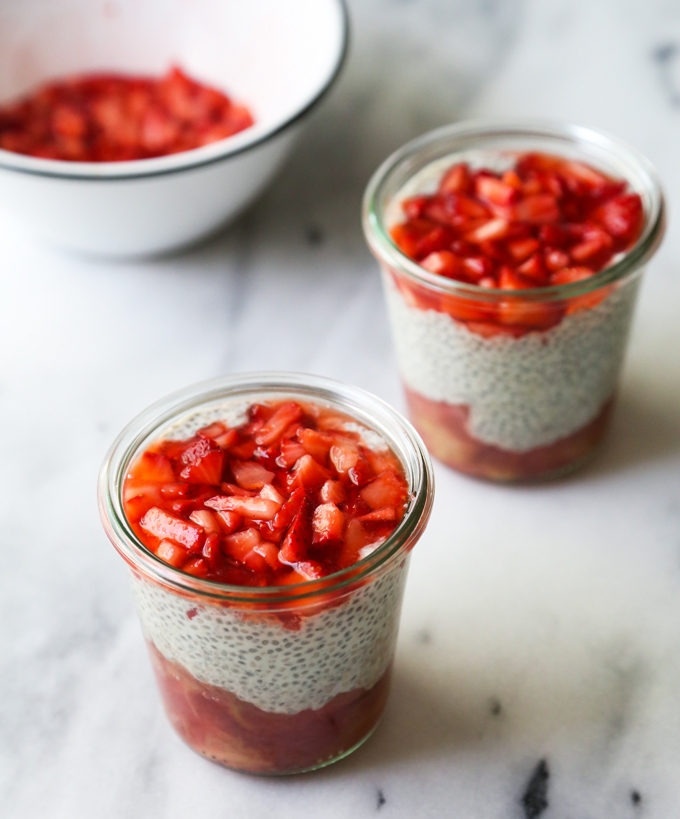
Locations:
{"points": [[288, 515]]}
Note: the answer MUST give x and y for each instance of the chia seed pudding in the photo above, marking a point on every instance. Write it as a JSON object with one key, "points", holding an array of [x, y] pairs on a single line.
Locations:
{"points": [[277, 678], [280, 665], [522, 393]]}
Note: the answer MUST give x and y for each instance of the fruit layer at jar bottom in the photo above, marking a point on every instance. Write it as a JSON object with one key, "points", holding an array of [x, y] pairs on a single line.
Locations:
{"points": [[115, 118], [444, 428], [237, 734]]}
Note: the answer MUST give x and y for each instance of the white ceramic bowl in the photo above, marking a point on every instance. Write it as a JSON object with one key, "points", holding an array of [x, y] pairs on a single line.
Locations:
{"points": [[276, 56]]}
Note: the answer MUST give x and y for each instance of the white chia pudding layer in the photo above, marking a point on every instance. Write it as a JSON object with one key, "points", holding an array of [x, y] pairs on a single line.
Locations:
{"points": [[278, 669], [524, 392]]}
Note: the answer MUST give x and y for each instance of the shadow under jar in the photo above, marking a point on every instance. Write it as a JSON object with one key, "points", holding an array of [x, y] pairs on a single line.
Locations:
{"points": [[517, 383], [270, 679]]}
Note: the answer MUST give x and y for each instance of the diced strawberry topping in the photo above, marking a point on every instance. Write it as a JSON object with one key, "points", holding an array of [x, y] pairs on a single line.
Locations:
{"points": [[162, 525], [249, 475], [309, 474], [328, 523], [203, 460], [385, 490], [284, 416], [171, 553], [515, 230], [298, 539], [294, 494], [113, 117]]}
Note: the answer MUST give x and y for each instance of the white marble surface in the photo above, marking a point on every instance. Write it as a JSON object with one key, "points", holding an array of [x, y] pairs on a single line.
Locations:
{"points": [[540, 623]]}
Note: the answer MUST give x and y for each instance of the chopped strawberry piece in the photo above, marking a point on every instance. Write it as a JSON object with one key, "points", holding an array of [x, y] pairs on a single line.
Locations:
{"points": [[212, 551], [385, 490], [523, 248], [309, 474], [228, 521], [317, 444], [141, 497], [465, 309], [327, 523], [538, 209], [534, 269], [226, 440], [182, 507], [212, 431], [298, 540], [284, 517], [243, 450], [154, 468], [478, 267], [291, 452], [621, 217], [162, 525], [469, 207], [585, 174], [171, 553], [197, 566], [360, 473], [357, 537], [456, 180], [284, 416], [269, 553], [203, 462], [233, 489], [490, 231], [240, 544], [439, 238], [556, 260], [568, 275], [309, 569], [407, 237], [595, 249], [495, 190], [510, 280], [333, 492], [344, 456], [271, 493], [251, 508], [536, 315], [206, 520], [249, 475], [176, 490], [445, 263], [413, 207], [512, 179], [380, 515]]}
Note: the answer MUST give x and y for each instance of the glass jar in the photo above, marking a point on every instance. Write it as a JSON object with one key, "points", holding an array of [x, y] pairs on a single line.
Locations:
{"points": [[508, 385], [270, 680]]}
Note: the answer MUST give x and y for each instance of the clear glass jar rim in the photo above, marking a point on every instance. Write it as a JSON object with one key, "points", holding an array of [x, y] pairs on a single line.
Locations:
{"points": [[381, 243], [383, 419]]}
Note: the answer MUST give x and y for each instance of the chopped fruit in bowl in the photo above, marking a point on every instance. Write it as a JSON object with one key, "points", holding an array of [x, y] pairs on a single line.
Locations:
{"points": [[267, 522], [116, 118], [511, 259]]}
